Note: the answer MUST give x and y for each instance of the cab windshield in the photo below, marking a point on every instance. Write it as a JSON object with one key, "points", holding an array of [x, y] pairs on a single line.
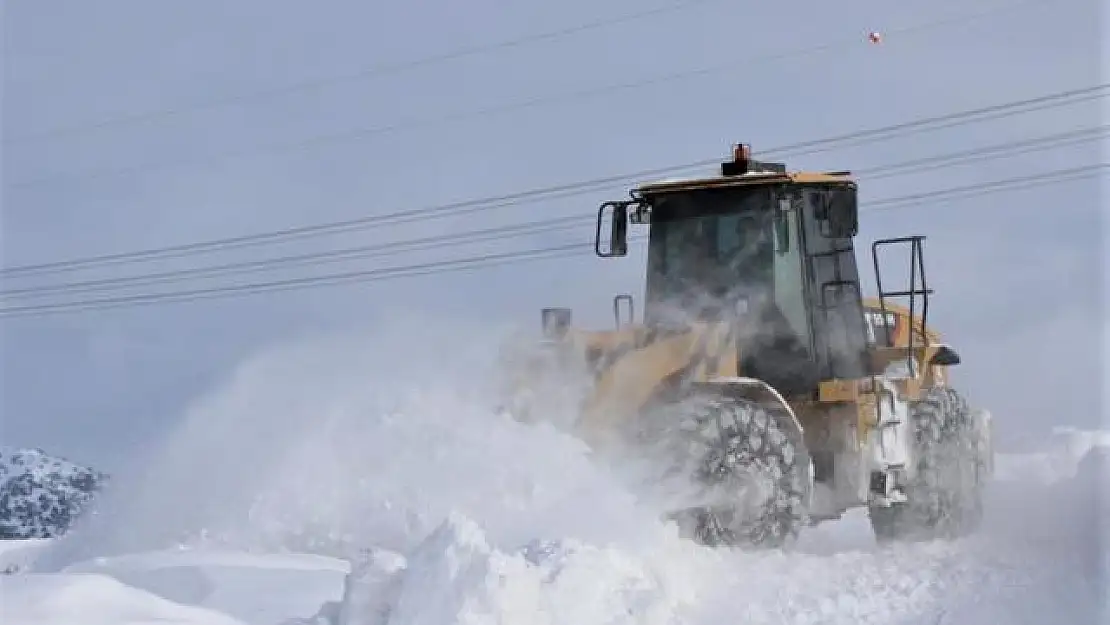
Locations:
{"points": [[727, 250]]}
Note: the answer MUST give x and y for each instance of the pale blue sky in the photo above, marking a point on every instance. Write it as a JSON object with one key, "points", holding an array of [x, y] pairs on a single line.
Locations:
{"points": [[1018, 274]]}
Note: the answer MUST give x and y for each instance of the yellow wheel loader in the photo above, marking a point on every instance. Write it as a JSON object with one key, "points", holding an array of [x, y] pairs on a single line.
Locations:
{"points": [[760, 375]]}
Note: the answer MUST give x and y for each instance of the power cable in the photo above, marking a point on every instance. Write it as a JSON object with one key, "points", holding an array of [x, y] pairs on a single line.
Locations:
{"points": [[985, 188], [443, 266], [1010, 148], [380, 69], [543, 226], [365, 275], [301, 144], [977, 115]]}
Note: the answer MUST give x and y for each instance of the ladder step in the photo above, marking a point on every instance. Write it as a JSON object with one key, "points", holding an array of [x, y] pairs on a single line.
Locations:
{"points": [[907, 293]]}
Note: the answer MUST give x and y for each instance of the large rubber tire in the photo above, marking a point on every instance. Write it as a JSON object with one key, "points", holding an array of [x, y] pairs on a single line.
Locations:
{"points": [[945, 495], [753, 474]]}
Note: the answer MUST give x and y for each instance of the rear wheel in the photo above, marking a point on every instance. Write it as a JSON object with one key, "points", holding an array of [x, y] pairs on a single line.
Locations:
{"points": [[945, 495], [750, 474]]}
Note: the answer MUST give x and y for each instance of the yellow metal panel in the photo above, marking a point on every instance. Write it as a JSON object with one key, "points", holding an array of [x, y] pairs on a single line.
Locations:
{"points": [[605, 339], [838, 391], [629, 383], [716, 349], [727, 361], [819, 177], [867, 416], [900, 332], [910, 388]]}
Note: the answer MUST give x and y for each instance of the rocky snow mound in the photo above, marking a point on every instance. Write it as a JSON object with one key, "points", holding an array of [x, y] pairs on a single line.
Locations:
{"points": [[40, 495]]}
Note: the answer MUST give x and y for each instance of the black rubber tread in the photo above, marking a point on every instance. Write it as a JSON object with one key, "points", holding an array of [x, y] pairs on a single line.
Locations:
{"points": [[945, 495], [723, 443]]}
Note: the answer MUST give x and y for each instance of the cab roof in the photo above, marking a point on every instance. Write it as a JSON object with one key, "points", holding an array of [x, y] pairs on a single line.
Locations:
{"points": [[751, 178], [741, 171]]}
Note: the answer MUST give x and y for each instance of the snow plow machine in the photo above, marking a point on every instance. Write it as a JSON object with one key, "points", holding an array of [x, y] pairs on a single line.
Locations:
{"points": [[760, 374]]}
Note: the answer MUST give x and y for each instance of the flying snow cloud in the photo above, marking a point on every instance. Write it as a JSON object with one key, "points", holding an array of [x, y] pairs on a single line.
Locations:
{"points": [[362, 438]]}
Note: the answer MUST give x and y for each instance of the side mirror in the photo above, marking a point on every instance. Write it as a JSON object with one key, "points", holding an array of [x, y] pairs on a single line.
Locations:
{"points": [[618, 230], [843, 213]]}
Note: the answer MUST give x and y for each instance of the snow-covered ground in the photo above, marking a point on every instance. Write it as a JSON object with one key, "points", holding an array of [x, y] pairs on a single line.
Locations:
{"points": [[393, 468], [19, 554]]}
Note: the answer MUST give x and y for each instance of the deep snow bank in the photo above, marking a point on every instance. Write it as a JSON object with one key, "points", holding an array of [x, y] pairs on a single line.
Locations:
{"points": [[1057, 497], [1047, 525], [254, 588], [17, 555], [1057, 458], [92, 600], [456, 576]]}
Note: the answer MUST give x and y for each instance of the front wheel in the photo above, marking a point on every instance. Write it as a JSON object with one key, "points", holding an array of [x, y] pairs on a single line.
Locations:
{"points": [[751, 474], [945, 494]]}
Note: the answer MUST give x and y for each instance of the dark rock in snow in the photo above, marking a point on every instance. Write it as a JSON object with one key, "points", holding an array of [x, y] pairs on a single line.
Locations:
{"points": [[40, 495]]}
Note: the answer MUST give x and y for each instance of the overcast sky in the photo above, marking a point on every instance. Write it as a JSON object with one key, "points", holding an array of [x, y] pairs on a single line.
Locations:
{"points": [[1018, 274]]}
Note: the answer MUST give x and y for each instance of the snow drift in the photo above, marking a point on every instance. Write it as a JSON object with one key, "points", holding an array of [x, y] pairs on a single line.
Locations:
{"points": [[456, 576], [93, 600], [265, 589]]}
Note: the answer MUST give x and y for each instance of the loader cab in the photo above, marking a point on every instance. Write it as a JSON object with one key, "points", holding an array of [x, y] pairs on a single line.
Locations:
{"points": [[770, 250]]}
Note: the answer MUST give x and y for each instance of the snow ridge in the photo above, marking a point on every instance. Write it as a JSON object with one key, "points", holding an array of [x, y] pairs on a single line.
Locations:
{"points": [[42, 495], [456, 576]]}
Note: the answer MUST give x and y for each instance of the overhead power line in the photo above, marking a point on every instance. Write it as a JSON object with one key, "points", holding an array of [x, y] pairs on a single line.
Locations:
{"points": [[986, 188], [987, 113], [975, 155], [369, 275], [542, 226], [372, 71], [301, 144], [444, 266]]}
